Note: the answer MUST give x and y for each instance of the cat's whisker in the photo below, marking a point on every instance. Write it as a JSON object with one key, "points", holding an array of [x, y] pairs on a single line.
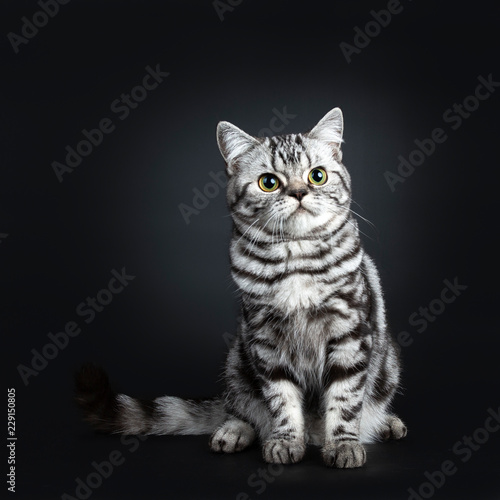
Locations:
{"points": [[363, 218], [353, 224], [258, 233], [276, 220], [248, 229], [357, 214]]}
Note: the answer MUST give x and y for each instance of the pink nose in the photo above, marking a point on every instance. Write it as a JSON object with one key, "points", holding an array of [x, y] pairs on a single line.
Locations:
{"points": [[298, 193]]}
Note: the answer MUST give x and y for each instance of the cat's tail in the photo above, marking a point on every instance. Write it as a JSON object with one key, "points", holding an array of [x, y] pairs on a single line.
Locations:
{"points": [[108, 411]]}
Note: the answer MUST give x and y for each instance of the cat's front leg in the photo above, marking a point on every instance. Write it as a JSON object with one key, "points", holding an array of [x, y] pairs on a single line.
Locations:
{"points": [[344, 388], [285, 443]]}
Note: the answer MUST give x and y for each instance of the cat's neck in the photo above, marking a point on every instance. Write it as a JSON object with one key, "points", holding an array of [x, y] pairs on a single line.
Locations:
{"points": [[281, 247], [295, 274]]}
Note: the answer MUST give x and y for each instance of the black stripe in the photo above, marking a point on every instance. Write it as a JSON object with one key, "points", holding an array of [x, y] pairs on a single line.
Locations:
{"points": [[330, 311], [335, 342], [319, 229], [349, 436], [299, 141], [263, 260], [263, 342], [340, 430], [278, 373], [247, 251], [283, 422], [239, 235], [365, 346], [341, 398], [344, 185], [247, 371], [149, 408], [240, 195], [382, 388], [361, 384], [349, 414], [282, 153], [279, 276], [277, 411], [338, 373], [349, 255], [269, 318], [254, 299]]}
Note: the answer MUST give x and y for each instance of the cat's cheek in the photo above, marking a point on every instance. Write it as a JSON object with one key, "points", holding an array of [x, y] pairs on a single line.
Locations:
{"points": [[339, 195], [342, 196]]}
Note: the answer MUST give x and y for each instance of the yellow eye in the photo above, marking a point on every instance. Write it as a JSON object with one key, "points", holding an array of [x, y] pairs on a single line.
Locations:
{"points": [[317, 176], [268, 183]]}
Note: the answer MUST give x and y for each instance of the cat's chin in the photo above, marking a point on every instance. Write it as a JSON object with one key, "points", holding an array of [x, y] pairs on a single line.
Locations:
{"points": [[300, 212], [303, 223]]}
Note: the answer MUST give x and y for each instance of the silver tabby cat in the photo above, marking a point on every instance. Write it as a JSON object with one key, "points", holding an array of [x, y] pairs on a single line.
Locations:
{"points": [[313, 362]]}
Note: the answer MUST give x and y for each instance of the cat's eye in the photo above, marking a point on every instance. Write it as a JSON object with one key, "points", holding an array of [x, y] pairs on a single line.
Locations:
{"points": [[317, 176], [268, 183]]}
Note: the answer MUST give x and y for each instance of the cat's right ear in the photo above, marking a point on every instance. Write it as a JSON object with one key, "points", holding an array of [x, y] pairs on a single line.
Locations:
{"points": [[233, 142]]}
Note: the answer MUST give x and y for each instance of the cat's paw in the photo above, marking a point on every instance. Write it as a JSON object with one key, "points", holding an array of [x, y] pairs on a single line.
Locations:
{"points": [[393, 429], [344, 454], [283, 451], [232, 436]]}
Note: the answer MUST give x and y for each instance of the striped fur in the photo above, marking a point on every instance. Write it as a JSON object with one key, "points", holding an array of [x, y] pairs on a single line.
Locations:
{"points": [[313, 361]]}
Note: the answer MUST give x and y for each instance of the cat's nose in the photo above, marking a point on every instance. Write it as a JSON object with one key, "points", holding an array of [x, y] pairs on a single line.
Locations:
{"points": [[298, 193]]}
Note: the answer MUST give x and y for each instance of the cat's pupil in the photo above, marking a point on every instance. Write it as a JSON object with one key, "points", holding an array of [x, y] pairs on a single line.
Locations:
{"points": [[317, 175], [269, 182]]}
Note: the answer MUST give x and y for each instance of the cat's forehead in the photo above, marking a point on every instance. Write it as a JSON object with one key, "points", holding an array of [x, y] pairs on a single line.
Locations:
{"points": [[288, 151], [287, 147]]}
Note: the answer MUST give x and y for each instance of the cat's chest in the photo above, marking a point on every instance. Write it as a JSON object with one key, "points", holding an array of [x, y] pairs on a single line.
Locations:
{"points": [[299, 292], [300, 286], [301, 346]]}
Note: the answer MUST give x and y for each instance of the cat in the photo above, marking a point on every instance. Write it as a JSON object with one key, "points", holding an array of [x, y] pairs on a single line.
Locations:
{"points": [[313, 361]]}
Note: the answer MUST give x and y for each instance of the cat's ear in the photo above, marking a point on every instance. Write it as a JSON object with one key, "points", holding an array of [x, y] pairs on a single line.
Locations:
{"points": [[233, 142], [330, 128]]}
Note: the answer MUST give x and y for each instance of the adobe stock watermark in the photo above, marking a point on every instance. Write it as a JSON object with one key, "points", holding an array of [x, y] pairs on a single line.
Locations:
{"points": [[462, 449], [121, 107], [420, 319], [88, 310], [218, 182], [223, 6], [40, 19], [454, 116], [103, 470], [363, 37], [202, 197], [277, 123]]}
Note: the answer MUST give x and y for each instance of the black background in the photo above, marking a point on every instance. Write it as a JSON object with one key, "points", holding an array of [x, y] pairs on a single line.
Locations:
{"points": [[165, 332]]}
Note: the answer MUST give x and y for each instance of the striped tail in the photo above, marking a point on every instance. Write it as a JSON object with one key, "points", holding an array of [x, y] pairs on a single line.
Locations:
{"points": [[109, 412]]}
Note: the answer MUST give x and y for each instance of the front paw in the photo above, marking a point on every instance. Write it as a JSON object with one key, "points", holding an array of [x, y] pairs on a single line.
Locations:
{"points": [[283, 451], [344, 454]]}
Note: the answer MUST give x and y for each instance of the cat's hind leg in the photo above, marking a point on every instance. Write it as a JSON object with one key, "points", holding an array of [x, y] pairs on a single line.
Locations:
{"points": [[377, 424], [233, 435], [394, 428]]}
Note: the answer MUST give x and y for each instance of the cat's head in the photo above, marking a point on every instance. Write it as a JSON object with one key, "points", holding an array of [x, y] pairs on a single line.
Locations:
{"points": [[290, 186]]}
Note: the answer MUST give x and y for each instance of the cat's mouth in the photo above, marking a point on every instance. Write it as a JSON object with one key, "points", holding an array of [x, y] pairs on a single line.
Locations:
{"points": [[301, 209]]}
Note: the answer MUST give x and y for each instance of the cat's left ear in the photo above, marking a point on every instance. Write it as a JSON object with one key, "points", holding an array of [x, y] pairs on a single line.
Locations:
{"points": [[233, 142], [330, 129]]}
